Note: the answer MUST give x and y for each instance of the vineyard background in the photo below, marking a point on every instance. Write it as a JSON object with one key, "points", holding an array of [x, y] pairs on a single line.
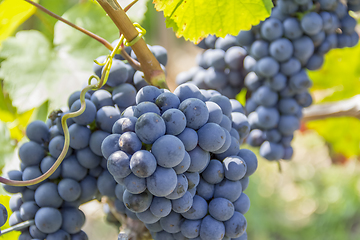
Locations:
{"points": [[315, 196]]}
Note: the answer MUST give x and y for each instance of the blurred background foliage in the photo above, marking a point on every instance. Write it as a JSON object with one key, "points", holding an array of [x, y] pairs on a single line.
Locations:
{"points": [[315, 196]]}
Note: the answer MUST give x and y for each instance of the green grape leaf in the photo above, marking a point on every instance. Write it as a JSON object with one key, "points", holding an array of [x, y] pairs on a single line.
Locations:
{"points": [[338, 79], [12, 14], [195, 19], [36, 70]]}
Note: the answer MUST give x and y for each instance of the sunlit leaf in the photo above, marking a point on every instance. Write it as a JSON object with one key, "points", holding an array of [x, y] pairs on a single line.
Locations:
{"points": [[339, 79], [12, 14], [195, 19]]}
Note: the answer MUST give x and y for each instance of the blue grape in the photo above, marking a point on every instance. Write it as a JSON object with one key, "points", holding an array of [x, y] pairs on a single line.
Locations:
{"points": [[134, 184], [311, 23], [147, 94], [27, 211], [31, 153], [235, 226], [162, 182], [303, 48], [145, 107], [88, 116], [214, 172], [14, 175], [211, 137], [288, 124], [212, 229], [292, 28], [268, 67], [87, 158], [272, 29], [242, 204], [290, 67], [118, 73], [168, 150], [96, 140], [46, 164], [193, 179], [160, 207], [30, 173], [73, 220], [245, 38], [102, 98], [265, 96], [143, 164], [46, 195], [184, 165], [36, 233], [182, 204], [149, 127], [124, 95], [69, 189], [79, 136], [172, 222], [88, 188], [205, 189], [79, 236], [195, 111], [175, 121], [129, 142], [106, 117], [124, 124], [240, 124], [190, 228], [106, 184], [234, 57], [154, 227], [71, 168], [259, 49], [187, 90], [15, 202], [56, 146], [271, 150], [255, 138], [38, 131], [268, 117], [234, 167], [147, 217], [3, 215], [180, 189], [221, 209], [76, 96], [137, 202], [199, 159], [215, 78], [167, 100], [189, 138], [250, 159], [228, 189], [198, 210], [48, 220], [118, 164], [160, 53], [58, 235]]}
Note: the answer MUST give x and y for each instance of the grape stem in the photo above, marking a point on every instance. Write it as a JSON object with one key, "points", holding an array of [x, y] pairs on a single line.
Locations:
{"points": [[344, 108], [134, 229], [18, 227], [154, 75], [130, 5]]}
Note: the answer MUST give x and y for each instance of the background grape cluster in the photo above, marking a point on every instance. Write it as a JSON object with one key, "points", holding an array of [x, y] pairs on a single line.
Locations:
{"points": [[273, 58]]}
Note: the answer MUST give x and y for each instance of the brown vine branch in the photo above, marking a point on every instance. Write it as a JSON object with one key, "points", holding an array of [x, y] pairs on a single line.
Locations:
{"points": [[349, 108], [150, 66], [90, 34]]}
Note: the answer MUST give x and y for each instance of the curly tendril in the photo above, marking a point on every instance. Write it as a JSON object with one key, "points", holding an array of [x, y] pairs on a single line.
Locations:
{"points": [[100, 82]]}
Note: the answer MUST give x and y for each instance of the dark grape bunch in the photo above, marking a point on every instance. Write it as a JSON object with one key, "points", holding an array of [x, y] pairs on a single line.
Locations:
{"points": [[54, 203], [280, 50], [160, 146], [220, 66], [83, 175]]}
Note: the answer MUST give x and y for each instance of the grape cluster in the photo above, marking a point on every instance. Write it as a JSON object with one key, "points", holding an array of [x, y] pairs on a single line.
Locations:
{"points": [[54, 203], [220, 66], [160, 146], [83, 174], [280, 50]]}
